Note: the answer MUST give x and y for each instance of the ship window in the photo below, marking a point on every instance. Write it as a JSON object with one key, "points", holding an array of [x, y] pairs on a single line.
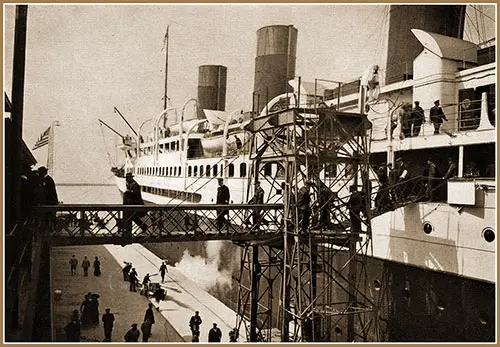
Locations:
{"points": [[208, 170], [428, 228], [201, 170], [338, 330], [189, 171], [170, 171], [180, 171], [231, 170], [243, 170], [221, 170], [488, 235], [215, 171], [175, 170], [195, 171]]}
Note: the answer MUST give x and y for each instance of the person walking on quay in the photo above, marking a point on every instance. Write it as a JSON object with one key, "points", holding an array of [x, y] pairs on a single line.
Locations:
{"points": [[85, 309], [73, 262], [214, 335], [222, 199], [97, 267], [194, 323], [132, 277], [150, 316], [132, 334], [132, 196], [304, 205], [437, 116], [146, 330], [107, 320], [417, 118], [126, 269], [163, 270], [72, 330], [85, 266]]}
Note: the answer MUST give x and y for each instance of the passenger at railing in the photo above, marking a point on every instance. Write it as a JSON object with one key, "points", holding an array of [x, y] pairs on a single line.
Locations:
{"points": [[471, 171], [431, 179], [437, 116], [392, 180], [27, 191], [132, 196], [304, 205], [223, 197], [417, 118], [383, 201], [394, 124], [355, 205], [405, 118], [403, 177], [452, 170]]}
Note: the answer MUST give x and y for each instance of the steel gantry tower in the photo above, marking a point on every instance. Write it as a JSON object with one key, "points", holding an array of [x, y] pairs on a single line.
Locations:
{"points": [[309, 284]]}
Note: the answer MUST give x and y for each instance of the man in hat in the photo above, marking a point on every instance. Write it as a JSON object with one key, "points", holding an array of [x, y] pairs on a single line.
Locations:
{"points": [[214, 335], [222, 199], [417, 118], [132, 196], [437, 116], [304, 205], [107, 319], [150, 316], [49, 187], [257, 199], [133, 334]]}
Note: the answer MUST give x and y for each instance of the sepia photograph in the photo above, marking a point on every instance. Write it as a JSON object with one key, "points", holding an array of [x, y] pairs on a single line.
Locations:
{"points": [[249, 172]]}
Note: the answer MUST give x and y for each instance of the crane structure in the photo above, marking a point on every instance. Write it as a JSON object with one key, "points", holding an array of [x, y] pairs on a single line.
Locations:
{"points": [[310, 283]]}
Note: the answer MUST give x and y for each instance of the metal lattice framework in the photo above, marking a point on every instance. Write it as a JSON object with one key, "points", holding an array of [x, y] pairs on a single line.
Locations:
{"points": [[322, 271], [119, 224]]}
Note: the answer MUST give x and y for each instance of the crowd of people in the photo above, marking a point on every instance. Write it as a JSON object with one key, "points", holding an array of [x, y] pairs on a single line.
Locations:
{"points": [[36, 188], [412, 119]]}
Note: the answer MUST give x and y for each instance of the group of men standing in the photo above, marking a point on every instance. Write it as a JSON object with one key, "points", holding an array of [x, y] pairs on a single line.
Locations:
{"points": [[37, 188], [411, 119]]}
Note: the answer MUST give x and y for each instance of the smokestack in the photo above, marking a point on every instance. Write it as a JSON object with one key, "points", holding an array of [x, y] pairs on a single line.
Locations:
{"points": [[403, 47], [274, 63], [212, 81]]}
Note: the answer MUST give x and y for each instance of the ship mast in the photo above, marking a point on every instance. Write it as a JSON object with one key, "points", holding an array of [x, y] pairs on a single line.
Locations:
{"points": [[165, 45]]}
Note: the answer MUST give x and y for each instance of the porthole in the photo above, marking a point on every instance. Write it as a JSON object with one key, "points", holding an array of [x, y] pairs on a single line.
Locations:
{"points": [[428, 228], [488, 234], [377, 284], [338, 330]]}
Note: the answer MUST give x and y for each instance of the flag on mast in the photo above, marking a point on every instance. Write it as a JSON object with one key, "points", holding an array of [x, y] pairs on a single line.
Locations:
{"points": [[42, 140]]}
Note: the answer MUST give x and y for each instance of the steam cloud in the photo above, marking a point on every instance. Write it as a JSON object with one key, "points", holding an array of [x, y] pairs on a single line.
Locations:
{"points": [[208, 273]]}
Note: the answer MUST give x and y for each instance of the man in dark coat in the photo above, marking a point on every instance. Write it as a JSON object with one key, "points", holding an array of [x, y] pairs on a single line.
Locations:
{"points": [[222, 199], [132, 196], [355, 206], [163, 270], [257, 199], [49, 187], [304, 205], [150, 316], [72, 330], [132, 277], [417, 117], [133, 334], [107, 319], [437, 116], [214, 335], [195, 322], [27, 191], [126, 269], [85, 266]]}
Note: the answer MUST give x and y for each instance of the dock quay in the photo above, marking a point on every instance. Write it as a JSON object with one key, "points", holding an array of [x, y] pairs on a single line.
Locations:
{"points": [[172, 315]]}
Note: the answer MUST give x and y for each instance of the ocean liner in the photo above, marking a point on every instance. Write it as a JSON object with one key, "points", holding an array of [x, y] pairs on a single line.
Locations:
{"points": [[434, 261]]}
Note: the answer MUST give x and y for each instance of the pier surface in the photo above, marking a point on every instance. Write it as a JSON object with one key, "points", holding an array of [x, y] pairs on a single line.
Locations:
{"points": [[172, 315]]}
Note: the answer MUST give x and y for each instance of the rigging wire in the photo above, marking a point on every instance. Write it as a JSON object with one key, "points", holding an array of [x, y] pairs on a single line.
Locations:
{"points": [[111, 163]]}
